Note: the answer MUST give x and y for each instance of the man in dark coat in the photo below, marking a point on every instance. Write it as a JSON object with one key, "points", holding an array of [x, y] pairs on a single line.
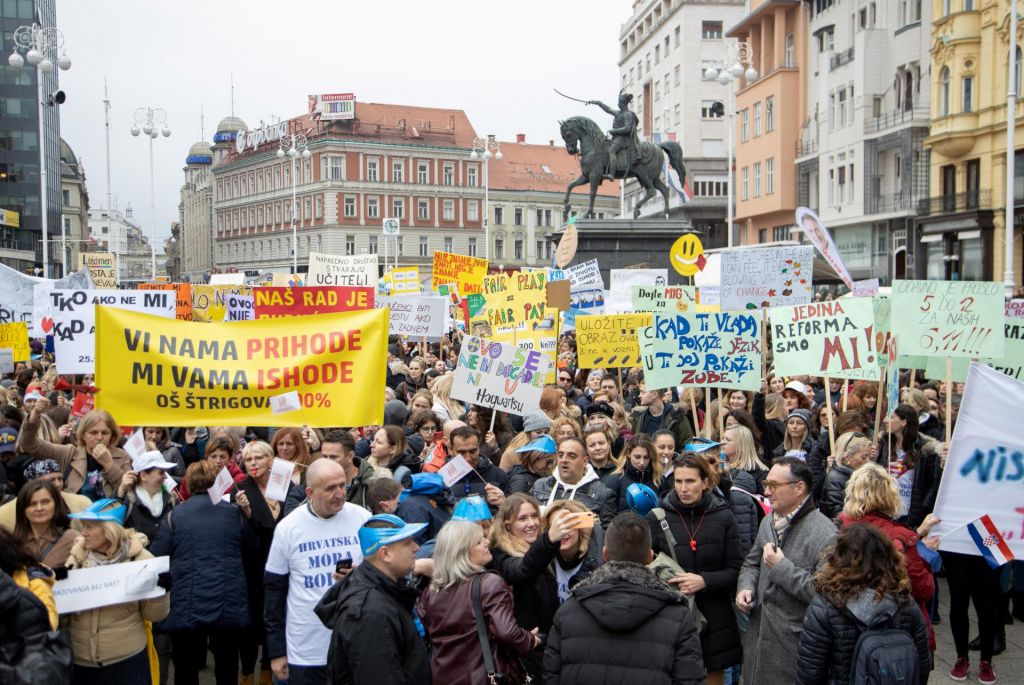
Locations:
{"points": [[622, 624], [465, 442], [373, 636]]}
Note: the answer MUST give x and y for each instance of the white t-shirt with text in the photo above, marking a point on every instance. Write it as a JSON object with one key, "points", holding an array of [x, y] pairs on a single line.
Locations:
{"points": [[307, 548]]}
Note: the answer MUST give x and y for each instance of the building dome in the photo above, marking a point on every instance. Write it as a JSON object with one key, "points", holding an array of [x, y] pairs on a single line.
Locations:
{"points": [[228, 128], [200, 153]]}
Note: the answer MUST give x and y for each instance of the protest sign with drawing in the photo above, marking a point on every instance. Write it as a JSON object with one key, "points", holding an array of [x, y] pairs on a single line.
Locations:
{"points": [[706, 350], [74, 320], [163, 372], [209, 302], [671, 299], [350, 270], [609, 340], [948, 318], [835, 339], [102, 268], [759, 278], [813, 227], [500, 375]]}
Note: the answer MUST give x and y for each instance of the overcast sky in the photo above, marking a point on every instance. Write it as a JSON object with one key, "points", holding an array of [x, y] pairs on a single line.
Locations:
{"points": [[497, 61]]}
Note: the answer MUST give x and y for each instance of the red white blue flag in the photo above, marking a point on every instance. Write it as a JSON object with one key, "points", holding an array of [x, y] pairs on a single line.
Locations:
{"points": [[990, 541]]}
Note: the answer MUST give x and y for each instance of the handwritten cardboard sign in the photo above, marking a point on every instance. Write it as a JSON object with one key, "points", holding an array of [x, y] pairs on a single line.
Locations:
{"points": [[702, 349], [948, 318], [835, 338], [500, 375], [759, 278], [467, 272], [326, 269], [416, 316], [609, 340], [100, 586], [14, 336]]}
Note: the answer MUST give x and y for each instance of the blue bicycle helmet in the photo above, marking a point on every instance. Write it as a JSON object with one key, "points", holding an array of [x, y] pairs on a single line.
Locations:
{"points": [[641, 499]]}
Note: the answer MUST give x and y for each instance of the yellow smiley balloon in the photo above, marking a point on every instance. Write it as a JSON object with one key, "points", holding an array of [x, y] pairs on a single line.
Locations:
{"points": [[687, 255]]}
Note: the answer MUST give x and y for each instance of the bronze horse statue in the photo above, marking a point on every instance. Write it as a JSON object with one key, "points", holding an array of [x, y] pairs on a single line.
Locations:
{"points": [[585, 138]]}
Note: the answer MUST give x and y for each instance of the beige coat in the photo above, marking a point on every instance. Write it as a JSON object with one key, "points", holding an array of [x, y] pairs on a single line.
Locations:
{"points": [[113, 633], [74, 456]]}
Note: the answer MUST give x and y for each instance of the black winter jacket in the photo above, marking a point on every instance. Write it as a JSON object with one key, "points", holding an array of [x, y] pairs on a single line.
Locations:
{"points": [[773, 431], [521, 479], [373, 637], [830, 634], [744, 509], [927, 474], [716, 556], [534, 592], [622, 625], [833, 494], [472, 485], [619, 482], [817, 459]]}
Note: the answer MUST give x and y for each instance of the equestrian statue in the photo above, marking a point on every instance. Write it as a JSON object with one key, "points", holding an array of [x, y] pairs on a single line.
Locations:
{"points": [[619, 155]]}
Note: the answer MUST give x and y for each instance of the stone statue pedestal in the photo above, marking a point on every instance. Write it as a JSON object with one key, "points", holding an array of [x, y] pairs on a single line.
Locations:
{"points": [[621, 243]]}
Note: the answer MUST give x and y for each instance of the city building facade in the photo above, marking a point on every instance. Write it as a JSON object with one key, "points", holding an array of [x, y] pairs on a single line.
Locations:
{"points": [[118, 232], [962, 220], [73, 237], [194, 245], [665, 46], [769, 113], [860, 161], [20, 190], [388, 161]]}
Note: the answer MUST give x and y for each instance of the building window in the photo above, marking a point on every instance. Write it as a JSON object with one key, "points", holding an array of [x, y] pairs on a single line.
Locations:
{"points": [[944, 91], [449, 243], [676, 75], [307, 208], [471, 176], [769, 176], [711, 109], [448, 210], [472, 211], [350, 207], [372, 170], [398, 172], [423, 210], [518, 214], [499, 248], [499, 216], [518, 248], [757, 179], [757, 119], [335, 165], [744, 125], [471, 250], [423, 173], [318, 207], [780, 233], [287, 178], [745, 183], [1017, 72], [762, 235], [373, 244], [968, 94], [547, 217], [277, 180], [350, 245], [398, 208], [424, 246], [841, 112], [769, 114], [657, 54], [790, 58], [676, 37], [448, 177], [67, 197], [711, 30], [373, 208]]}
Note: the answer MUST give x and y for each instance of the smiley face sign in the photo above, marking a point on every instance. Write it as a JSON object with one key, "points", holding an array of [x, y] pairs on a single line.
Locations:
{"points": [[687, 255]]}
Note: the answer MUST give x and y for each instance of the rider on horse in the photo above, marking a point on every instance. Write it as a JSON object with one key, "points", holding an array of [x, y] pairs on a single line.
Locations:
{"points": [[624, 135]]}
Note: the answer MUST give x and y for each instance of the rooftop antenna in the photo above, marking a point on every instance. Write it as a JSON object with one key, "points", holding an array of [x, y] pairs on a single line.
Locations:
{"points": [[202, 123], [106, 116], [232, 93]]}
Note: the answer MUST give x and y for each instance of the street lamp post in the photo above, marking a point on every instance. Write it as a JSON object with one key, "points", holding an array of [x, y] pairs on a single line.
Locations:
{"points": [[153, 123], [39, 42], [294, 144], [741, 55], [486, 148], [1011, 126]]}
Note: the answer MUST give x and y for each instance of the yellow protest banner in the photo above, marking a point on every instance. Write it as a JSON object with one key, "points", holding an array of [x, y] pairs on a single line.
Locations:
{"points": [[164, 372], [511, 299], [405, 281], [467, 272], [102, 268], [15, 337], [209, 302], [609, 340]]}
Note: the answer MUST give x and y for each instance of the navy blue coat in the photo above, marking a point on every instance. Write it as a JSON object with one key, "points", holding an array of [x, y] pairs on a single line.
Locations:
{"points": [[206, 544]]}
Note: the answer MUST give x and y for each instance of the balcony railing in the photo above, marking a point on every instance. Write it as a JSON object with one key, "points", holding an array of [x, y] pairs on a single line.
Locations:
{"points": [[806, 147], [840, 58], [960, 202], [892, 202], [888, 120]]}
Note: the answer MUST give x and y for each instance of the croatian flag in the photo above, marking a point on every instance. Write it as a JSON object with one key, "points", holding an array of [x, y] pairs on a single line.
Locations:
{"points": [[684, 192], [989, 541]]}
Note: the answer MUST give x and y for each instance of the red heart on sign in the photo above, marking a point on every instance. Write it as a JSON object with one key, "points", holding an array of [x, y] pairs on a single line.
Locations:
{"points": [[47, 324]]}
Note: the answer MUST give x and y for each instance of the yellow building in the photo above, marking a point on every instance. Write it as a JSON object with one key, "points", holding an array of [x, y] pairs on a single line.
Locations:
{"points": [[961, 223]]}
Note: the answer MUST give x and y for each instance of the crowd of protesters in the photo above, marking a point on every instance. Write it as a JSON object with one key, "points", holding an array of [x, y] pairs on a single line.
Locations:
{"points": [[615, 534]]}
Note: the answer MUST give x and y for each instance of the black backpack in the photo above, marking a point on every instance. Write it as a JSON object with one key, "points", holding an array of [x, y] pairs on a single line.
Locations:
{"points": [[885, 654], [30, 653]]}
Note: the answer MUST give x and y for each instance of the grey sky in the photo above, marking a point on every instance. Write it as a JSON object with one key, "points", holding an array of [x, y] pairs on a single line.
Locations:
{"points": [[497, 61]]}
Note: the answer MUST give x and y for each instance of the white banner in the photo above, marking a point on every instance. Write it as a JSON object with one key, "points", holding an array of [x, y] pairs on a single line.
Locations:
{"points": [[585, 275], [18, 294], [100, 586], [500, 375], [233, 278], [620, 295], [416, 316], [985, 468], [73, 324], [327, 269]]}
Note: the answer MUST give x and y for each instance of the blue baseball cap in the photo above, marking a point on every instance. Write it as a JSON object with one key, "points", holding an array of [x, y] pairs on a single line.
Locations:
{"points": [[698, 445], [103, 510], [372, 539], [472, 508], [545, 443]]}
